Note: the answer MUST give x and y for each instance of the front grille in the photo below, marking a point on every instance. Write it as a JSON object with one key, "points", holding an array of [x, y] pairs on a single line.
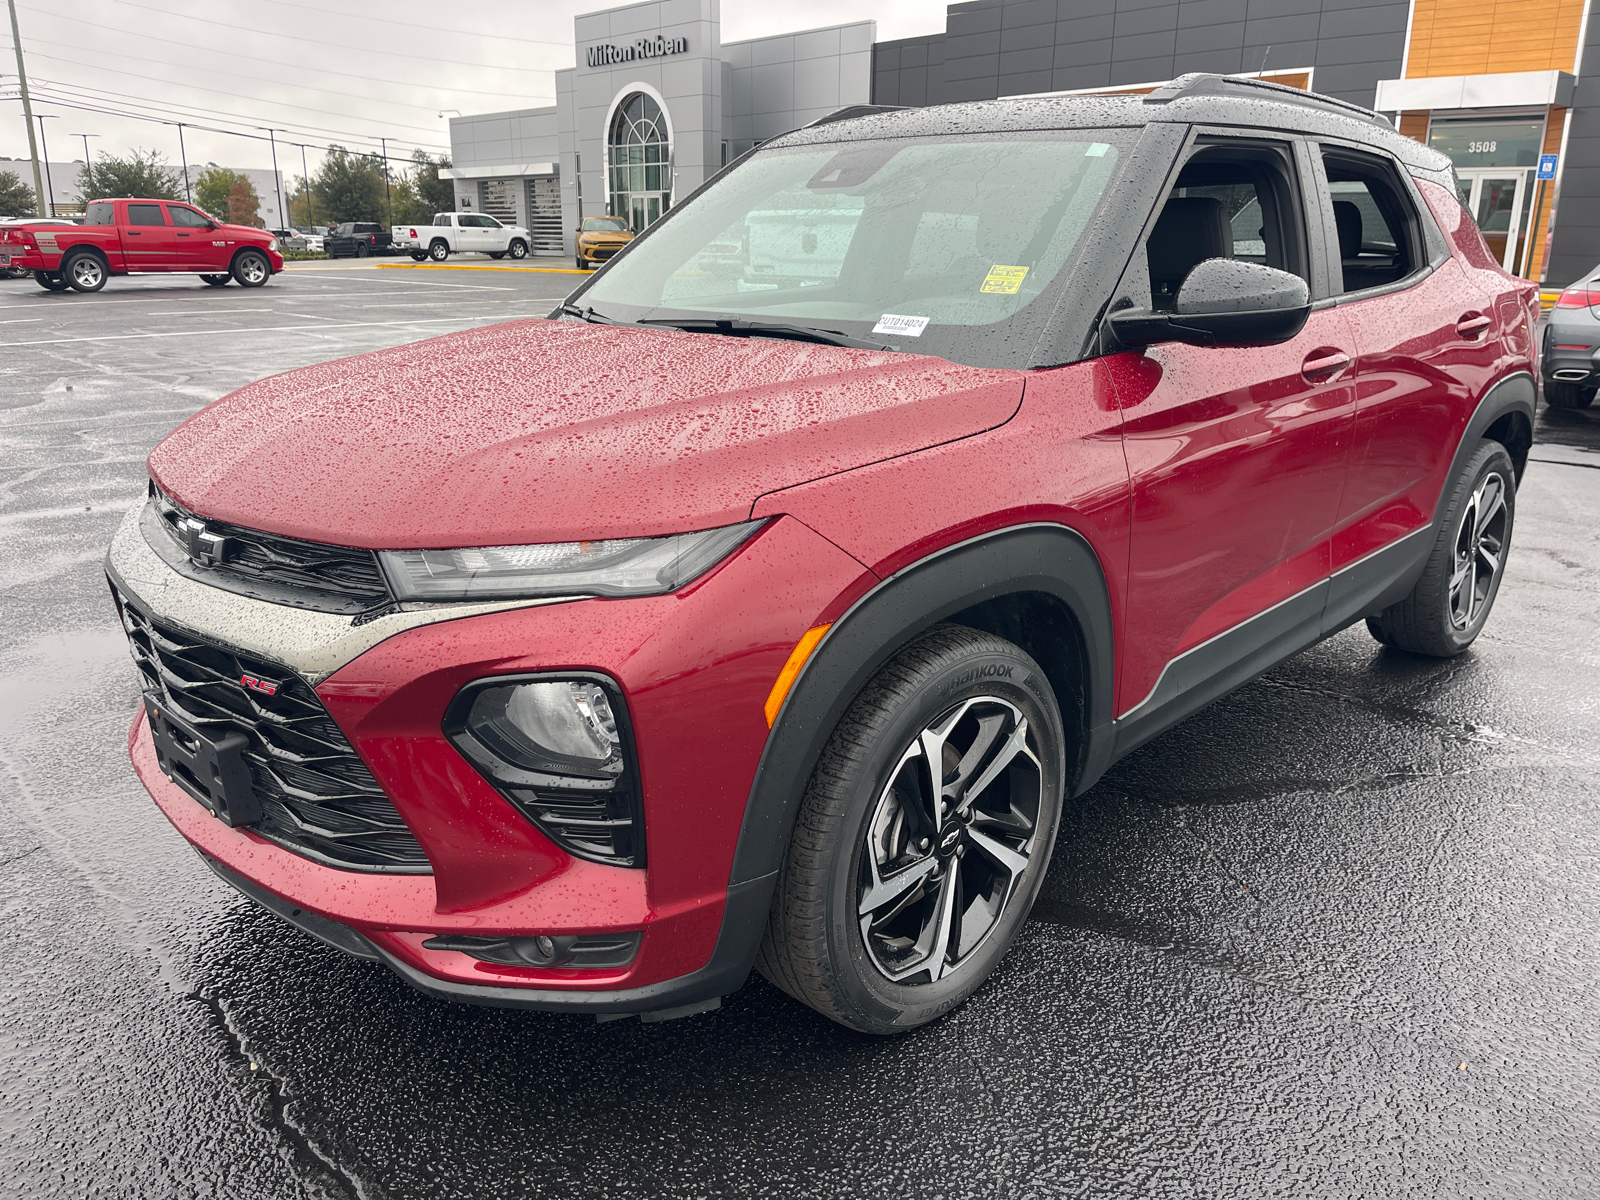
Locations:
{"points": [[317, 797], [272, 567]]}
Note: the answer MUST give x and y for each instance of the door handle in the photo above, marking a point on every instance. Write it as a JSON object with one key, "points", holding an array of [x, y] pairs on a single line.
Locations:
{"points": [[183, 235], [1324, 363], [134, 233], [1472, 324]]}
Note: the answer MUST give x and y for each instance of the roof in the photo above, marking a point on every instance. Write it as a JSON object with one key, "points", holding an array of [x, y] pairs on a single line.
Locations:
{"points": [[1205, 99]]}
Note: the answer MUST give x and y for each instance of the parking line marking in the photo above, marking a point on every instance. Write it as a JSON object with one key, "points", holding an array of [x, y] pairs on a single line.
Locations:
{"points": [[476, 267], [23, 321], [129, 337]]}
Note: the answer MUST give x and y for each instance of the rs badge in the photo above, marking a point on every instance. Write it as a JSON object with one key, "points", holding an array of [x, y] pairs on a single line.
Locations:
{"points": [[256, 683]]}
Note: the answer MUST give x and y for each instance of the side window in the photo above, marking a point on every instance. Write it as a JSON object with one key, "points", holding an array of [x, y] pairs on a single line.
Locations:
{"points": [[1230, 201], [186, 218], [100, 214], [145, 214], [1380, 236]]}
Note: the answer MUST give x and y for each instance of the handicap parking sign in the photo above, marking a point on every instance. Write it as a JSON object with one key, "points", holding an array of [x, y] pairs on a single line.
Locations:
{"points": [[1547, 166]]}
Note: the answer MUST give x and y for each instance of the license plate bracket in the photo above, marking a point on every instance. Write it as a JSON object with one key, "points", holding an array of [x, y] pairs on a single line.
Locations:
{"points": [[212, 770]]}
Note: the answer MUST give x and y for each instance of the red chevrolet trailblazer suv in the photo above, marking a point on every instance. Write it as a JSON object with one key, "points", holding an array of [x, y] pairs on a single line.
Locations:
{"points": [[764, 606]]}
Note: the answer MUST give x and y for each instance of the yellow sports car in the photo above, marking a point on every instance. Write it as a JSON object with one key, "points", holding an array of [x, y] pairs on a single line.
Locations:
{"points": [[599, 238]]}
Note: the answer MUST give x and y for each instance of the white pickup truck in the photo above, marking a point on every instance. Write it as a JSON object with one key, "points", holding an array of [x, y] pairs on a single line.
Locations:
{"points": [[459, 233]]}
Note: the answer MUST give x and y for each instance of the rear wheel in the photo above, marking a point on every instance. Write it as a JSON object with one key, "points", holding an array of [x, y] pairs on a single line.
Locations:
{"points": [[362, 250], [1567, 395], [84, 271], [1447, 609], [923, 837], [439, 250], [50, 281], [217, 280], [518, 248], [251, 268]]}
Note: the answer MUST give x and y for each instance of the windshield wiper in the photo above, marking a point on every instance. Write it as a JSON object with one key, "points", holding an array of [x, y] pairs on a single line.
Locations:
{"points": [[740, 327], [569, 309]]}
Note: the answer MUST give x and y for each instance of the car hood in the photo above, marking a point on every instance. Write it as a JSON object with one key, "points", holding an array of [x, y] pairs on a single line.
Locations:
{"points": [[551, 431]]}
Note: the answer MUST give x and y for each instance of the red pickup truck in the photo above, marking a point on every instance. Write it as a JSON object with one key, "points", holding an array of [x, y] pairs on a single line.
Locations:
{"points": [[130, 237]]}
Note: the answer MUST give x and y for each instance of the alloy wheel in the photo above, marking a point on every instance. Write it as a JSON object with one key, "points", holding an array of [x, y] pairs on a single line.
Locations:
{"points": [[253, 269], [952, 834], [87, 272], [1479, 551]]}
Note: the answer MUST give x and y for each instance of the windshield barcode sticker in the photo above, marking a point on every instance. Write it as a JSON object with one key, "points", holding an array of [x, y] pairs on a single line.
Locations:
{"points": [[1004, 281], [900, 326]]}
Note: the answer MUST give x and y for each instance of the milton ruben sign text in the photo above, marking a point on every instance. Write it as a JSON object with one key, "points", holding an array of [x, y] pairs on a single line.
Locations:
{"points": [[656, 47]]}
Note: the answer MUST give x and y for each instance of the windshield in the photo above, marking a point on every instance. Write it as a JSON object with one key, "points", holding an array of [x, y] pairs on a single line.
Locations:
{"points": [[938, 246], [605, 224]]}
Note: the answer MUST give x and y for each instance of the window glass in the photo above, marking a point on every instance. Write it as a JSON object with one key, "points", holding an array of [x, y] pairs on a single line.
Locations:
{"points": [[487, 222], [604, 224], [145, 214], [100, 214], [1374, 217], [954, 239], [187, 218]]}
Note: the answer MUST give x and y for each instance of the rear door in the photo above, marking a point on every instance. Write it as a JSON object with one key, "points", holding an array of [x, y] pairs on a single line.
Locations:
{"points": [[199, 246], [1424, 344], [1236, 454], [148, 241]]}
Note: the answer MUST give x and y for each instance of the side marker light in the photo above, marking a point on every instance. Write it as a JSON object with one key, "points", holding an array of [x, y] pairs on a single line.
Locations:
{"points": [[797, 659]]}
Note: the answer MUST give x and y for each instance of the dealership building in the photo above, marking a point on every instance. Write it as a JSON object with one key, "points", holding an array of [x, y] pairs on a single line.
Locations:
{"points": [[657, 102]]}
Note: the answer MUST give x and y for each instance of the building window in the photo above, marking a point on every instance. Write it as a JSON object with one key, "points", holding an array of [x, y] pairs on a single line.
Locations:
{"points": [[640, 162]]}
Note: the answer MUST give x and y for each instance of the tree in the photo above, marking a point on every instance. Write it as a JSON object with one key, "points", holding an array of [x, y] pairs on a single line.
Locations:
{"points": [[244, 206], [16, 198], [435, 194], [211, 190], [348, 187], [142, 174], [407, 206]]}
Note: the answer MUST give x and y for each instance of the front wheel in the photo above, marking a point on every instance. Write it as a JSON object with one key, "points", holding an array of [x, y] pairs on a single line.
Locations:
{"points": [[439, 250], [1567, 395], [497, 254], [251, 269], [419, 256], [923, 837], [1447, 609], [217, 280], [518, 248], [84, 272], [577, 262], [50, 281]]}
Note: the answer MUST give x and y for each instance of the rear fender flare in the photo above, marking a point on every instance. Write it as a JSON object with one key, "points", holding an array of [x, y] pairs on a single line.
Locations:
{"points": [[1037, 558]]}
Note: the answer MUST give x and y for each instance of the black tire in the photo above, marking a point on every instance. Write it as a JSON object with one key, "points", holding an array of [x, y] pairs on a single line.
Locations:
{"points": [[439, 250], [419, 256], [497, 254], [518, 248], [362, 250], [1558, 394], [867, 825], [84, 271], [50, 281], [1447, 609], [577, 262], [251, 268], [217, 280]]}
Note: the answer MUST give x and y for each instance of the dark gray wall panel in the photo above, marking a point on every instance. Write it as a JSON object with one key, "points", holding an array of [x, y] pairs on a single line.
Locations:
{"points": [[998, 47], [1576, 247]]}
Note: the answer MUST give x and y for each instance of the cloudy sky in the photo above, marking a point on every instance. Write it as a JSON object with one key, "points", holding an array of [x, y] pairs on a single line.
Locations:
{"points": [[319, 72]]}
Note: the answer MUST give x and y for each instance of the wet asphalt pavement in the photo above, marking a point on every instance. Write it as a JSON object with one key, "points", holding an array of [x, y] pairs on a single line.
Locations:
{"points": [[1335, 936]]}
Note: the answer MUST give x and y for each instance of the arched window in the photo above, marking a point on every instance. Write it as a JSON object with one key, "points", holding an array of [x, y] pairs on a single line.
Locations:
{"points": [[640, 160]]}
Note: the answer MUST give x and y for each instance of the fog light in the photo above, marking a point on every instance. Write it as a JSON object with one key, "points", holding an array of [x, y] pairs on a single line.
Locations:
{"points": [[572, 951]]}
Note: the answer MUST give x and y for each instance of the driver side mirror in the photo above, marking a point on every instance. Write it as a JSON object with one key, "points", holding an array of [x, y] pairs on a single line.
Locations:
{"points": [[1223, 302]]}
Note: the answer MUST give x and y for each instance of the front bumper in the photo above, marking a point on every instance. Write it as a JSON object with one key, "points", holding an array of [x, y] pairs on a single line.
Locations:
{"points": [[695, 669]]}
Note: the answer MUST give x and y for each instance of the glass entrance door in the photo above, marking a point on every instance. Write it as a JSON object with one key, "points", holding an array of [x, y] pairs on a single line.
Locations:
{"points": [[1499, 200]]}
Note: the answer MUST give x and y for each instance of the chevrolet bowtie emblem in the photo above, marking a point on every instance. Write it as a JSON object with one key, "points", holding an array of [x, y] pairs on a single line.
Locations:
{"points": [[204, 547]]}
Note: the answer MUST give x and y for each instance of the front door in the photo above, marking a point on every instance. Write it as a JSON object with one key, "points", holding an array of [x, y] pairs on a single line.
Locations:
{"points": [[1237, 456], [194, 234]]}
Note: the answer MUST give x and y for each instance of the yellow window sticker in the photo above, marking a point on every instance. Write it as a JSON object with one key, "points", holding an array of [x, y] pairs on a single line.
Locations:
{"points": [[1003, 281]]}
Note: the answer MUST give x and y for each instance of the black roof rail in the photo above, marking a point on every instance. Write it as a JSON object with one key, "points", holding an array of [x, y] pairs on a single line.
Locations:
{"points": [[1199, 83], [853, 110]]}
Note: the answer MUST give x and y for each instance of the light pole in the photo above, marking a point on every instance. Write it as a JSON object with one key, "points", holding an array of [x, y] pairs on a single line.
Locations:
{"points": [[44, 149], [27, 106], [183, 157], [88, 174], [305, 179], [388, 208], [277, 183]]}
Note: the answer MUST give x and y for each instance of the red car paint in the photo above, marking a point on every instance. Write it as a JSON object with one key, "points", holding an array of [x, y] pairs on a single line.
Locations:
{"points": [[134, 249]]}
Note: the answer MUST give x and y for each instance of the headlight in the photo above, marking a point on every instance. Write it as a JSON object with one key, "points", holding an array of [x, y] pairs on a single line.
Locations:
{"points": [[272, 243], [621, 567]]}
